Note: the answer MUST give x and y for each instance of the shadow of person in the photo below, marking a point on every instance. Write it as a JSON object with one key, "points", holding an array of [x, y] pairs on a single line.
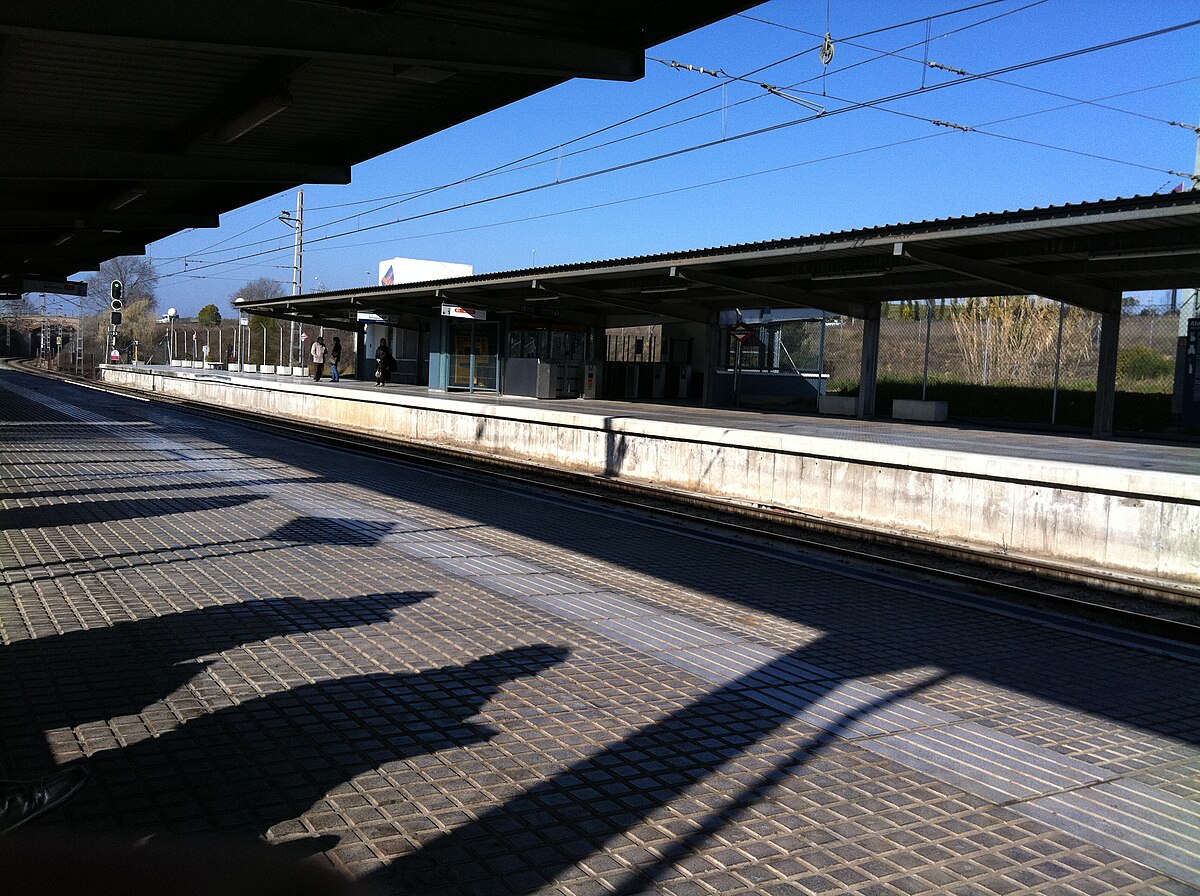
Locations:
{"points": [[245, 768], [574, 813], [95, 674], [117, 509]]}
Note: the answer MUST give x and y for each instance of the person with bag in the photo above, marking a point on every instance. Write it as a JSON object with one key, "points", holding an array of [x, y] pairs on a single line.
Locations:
{"points": [[384, 363], [318, 358], [335, 358]]}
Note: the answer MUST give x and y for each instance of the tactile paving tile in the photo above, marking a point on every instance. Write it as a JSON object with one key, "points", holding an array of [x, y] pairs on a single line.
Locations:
{"points": [[751, 773], [1158, 829], [744, 666]]}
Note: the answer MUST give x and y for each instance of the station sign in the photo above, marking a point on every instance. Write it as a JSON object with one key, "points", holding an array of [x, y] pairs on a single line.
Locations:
{"points": [[469, 313], [55, 287], [1191, 375], [741, 332]]}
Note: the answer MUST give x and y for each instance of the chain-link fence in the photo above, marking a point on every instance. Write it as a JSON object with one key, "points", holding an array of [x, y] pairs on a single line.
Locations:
{"points": [[1011, 357]]}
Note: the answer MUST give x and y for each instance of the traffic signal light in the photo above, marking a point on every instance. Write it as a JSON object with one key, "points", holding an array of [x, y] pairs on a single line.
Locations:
{"points": [[116, 291]]}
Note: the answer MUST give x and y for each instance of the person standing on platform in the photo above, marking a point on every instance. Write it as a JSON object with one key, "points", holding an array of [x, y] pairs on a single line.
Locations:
{"points": [[335, 358], [318, 358], [384, 363]]}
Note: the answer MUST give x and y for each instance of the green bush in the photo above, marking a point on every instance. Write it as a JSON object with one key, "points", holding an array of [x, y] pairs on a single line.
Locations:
{"points": [[1024, 405], [1140, 362]]}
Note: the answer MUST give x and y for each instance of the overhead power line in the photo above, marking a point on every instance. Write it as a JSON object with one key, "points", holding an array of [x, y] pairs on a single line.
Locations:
{"points": [[877, 102], [512, 165], [525, 162], [718, 181]]}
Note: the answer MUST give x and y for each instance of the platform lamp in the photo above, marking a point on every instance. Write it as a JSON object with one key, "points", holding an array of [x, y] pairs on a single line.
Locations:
{"points": [[171, 315]]}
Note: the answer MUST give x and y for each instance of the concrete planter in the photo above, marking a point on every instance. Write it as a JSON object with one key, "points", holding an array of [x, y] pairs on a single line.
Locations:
{"points": [[177, 363], [839, 405], [266, 368], [299, 371], [925, 411]]}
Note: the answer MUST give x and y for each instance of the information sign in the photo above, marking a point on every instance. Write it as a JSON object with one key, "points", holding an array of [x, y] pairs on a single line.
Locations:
{"points": [[1191, 375], [456, 311]]}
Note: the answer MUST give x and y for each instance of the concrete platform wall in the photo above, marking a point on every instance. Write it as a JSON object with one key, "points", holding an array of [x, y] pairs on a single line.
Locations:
{"points": [[1139, 523]]}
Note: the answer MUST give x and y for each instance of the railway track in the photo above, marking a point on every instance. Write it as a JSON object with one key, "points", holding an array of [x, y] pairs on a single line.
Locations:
{"points": [[1150, 610]]}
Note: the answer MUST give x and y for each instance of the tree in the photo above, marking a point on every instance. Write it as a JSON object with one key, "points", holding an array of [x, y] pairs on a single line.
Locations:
{"points": [[137, 275], [256, 290], [209, 316]]}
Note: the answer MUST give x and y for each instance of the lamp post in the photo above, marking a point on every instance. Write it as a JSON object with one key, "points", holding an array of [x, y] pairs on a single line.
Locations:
{"points": [[171, 315], [243, 335]]}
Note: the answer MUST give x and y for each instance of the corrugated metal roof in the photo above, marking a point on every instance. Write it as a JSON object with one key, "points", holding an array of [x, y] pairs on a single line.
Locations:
{"points": [[1085, 253]]}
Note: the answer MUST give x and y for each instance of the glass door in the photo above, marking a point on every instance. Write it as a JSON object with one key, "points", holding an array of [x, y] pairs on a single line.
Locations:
{"points": [[474, 360]]}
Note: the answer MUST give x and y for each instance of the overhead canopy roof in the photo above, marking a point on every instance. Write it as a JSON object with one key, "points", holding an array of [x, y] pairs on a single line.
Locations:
{"points": [[1086, 255], [127, 121]]}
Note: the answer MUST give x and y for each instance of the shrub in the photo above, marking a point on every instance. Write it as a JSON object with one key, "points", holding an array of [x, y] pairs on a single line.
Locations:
{"points": [[1140, 362]]}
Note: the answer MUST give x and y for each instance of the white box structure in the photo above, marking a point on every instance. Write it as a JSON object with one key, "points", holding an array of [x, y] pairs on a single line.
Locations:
{"points": [[395, 271]]}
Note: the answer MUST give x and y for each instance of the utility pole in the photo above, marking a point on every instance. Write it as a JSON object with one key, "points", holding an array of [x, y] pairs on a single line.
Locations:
{"points": [[297, 224]]}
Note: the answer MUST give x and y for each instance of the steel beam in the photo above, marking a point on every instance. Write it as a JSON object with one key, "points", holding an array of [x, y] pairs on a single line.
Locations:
{"points": [[789, 296], [521, 306], [660, 309], [1016, 279], [78, 219], [332, 323], [319, 31], [69, 164]]}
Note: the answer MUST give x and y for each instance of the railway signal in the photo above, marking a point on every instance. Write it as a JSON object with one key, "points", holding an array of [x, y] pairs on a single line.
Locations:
{"points": [[116, 290]]}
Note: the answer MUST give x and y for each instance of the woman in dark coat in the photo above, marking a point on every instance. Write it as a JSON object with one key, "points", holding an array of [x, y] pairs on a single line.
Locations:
{"points": [[383, 363], [335, 359]]}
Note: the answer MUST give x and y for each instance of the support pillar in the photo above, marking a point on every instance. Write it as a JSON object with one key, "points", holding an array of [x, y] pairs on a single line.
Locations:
{"points": [[1106, 374], [713, 360], [868, 372], [597, 356]]}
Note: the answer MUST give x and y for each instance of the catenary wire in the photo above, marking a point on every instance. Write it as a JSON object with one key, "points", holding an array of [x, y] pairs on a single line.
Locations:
{"points": [[774, 170], [756, 132], [683, 150], [513, 165]]}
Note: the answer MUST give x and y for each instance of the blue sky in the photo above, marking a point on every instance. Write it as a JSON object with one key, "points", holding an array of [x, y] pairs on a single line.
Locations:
{"points": [[866, 166]]}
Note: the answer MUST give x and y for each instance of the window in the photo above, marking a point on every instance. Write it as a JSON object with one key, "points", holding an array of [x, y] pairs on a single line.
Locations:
{"points": [[792, 346]]}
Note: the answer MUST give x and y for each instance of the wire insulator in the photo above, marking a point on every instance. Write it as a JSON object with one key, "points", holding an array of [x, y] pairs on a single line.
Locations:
{"points": [[948, 68], [950, 124], [827, 49]]}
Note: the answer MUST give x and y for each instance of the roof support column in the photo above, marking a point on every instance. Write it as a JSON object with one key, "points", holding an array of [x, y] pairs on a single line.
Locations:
{"points": [[1106, 374], [712, 359], [868, 371]]}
